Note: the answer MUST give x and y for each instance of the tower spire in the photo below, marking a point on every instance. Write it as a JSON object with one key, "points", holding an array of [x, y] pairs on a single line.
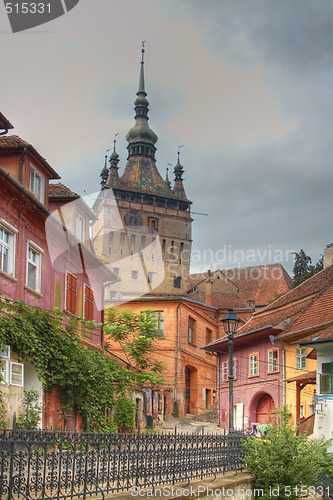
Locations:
{"points": [[141, 139], [114, 160]]}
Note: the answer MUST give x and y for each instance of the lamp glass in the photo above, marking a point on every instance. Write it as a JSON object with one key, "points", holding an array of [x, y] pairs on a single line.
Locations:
{"points": [[230, 322]]}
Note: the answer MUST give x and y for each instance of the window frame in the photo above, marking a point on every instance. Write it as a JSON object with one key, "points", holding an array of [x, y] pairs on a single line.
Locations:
{"points": [[271, 362], [13, 364], [40, 195], [225, 370], [326, 378], [88, 303], [37, 265], [69, 291], [191, 330], [254, 366], [80, 226], [300, 355], [10, 246]]}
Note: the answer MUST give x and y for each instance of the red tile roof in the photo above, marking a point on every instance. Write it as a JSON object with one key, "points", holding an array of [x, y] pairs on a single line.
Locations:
{"points": [[59, 190], [260, 284], [13, 143], [324, 335], [309, 304]]}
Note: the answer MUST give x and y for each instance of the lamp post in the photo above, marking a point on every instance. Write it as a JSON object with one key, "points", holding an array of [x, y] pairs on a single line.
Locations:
{"points": [[230, 324]]}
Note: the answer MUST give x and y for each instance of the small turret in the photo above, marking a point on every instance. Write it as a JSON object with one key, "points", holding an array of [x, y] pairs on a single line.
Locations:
{"points": [[104, 173], [178, 187]]}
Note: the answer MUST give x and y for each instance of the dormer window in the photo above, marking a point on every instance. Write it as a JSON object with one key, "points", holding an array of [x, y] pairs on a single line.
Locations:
{"points": [[36, 183]]}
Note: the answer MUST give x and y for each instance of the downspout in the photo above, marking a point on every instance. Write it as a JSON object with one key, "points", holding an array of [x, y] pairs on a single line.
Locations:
{"points": [[177, 370], [283, 378], [21, 164], [218, 388]]}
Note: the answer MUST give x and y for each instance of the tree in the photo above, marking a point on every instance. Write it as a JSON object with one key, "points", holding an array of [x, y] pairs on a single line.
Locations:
{"points": [[303, 268], [285, 464], [136, 334]]}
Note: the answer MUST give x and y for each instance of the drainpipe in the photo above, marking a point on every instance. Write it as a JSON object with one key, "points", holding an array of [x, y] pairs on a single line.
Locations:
{"points": [[21, 164], [218, 388], [284, 378], [177, 354]]}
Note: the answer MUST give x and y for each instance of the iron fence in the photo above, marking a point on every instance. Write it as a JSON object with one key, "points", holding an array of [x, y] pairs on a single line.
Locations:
{"points": [[54, 465]]}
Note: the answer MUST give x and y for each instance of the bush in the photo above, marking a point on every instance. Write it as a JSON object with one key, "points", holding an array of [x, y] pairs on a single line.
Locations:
{"points": [[124, 412], [283, 462], [30, 417]]}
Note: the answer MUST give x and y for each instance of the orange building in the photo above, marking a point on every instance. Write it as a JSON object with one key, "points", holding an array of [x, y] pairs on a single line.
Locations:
{"points": [[189, 372]]}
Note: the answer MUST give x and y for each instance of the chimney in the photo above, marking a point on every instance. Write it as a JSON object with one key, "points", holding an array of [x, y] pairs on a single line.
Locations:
{"points": [[328, 256], [251, 304], [209, 288]]}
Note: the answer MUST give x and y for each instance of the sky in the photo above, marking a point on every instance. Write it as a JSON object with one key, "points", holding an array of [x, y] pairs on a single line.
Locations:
{"points": [[244, 85]]}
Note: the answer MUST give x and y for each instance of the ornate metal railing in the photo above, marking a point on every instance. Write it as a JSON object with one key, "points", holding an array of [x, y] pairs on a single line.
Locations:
{"points": [[54, 465]]}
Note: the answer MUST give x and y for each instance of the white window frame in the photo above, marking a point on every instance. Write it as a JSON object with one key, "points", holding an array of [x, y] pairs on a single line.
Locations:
{"points": [[271, 360], [38, 265], [10, 246], [254, 364], [79, 226], [225, 369], [33, 174], [4, 370], [20, 365], [301, 358]]}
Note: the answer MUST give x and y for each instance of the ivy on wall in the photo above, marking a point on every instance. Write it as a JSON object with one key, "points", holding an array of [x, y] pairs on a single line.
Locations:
{"points": [[89, 380]]}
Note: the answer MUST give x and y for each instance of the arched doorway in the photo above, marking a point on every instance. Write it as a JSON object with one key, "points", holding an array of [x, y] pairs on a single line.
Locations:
{"points": [[264, 410], [191, 389]]}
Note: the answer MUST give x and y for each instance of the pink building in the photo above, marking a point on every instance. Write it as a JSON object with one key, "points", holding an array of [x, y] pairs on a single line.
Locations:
{"points": [[73, 282]]}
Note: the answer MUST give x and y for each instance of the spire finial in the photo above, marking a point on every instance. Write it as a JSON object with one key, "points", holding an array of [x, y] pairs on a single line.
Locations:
{"points": [[167, 181], [114, 142], [143, 51]]}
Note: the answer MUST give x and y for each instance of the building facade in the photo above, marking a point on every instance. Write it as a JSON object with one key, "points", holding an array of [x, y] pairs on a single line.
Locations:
{"points": [[29, 272]]}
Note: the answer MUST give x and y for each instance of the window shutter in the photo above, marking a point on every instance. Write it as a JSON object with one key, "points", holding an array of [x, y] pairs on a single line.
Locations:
{"points": [[326, 378]]}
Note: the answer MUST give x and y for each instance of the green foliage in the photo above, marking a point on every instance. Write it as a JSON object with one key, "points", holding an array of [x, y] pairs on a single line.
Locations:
{"points": [[137, 334], [3, 421], [88, 380], [30, 417], [283, 459], [124, 412], [303, 268]]}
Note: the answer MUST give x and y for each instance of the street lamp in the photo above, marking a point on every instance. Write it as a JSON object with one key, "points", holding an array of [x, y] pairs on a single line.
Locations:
{"points": [[230, 323]]}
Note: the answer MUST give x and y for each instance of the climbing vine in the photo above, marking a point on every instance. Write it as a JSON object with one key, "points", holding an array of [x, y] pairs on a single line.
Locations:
{"points": [[89, 380]]}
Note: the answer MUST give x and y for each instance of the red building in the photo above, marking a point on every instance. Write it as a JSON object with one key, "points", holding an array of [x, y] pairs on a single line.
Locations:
{"points": [[73, 282]]}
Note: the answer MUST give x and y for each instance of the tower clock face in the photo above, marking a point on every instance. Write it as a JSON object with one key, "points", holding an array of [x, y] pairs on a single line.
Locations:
{"points": [[133, 219]]}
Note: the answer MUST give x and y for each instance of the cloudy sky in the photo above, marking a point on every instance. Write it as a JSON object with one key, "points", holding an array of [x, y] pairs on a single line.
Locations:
{"points": [[245, 85]]}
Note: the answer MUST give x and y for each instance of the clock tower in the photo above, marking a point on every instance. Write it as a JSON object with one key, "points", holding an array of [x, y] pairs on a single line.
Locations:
{"points": [[143, 226]]}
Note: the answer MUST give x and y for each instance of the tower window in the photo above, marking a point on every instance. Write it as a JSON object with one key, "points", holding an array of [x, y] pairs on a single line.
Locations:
{"points": [[177, 282], [152, 224], [181, 249]]}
